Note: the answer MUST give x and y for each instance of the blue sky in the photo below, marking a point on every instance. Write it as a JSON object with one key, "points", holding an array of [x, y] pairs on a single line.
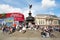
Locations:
{"points": [[38, 6]]}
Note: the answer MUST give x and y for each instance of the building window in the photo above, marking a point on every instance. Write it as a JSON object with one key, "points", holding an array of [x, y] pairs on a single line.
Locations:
{"points": [[55, 22]]}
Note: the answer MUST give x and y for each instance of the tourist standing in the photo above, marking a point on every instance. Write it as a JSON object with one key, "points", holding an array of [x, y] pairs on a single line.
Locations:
{"points": [[24, 29]]}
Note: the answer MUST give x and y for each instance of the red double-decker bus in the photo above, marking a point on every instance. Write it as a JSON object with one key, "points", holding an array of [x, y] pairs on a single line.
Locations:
{"points": [[14, 17]]}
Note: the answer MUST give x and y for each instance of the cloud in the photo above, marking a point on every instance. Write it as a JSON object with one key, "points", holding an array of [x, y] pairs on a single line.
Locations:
{"points": [[51, 13], [6, 8], [48, 3]]}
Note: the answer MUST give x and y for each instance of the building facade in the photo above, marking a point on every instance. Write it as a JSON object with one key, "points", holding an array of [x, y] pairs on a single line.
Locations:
{"points": [[59, 21], [46, 20]]}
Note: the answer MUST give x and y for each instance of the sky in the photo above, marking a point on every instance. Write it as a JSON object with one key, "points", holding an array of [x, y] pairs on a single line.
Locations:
{"points": [[38, 7]]}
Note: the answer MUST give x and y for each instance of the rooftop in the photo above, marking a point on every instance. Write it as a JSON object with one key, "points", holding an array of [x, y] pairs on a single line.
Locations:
{"points": [[46, 15]]}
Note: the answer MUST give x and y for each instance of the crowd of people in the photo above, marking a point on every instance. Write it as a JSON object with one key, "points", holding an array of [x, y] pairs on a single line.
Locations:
{"points": [[12, 29], [45, 31], [19, 28]]}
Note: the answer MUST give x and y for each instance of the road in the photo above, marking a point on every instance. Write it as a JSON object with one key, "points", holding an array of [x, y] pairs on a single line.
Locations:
{"points": [[29, 35]]}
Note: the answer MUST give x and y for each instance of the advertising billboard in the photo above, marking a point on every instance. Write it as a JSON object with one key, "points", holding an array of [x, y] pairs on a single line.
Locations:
{"points": [[11, 19]]}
